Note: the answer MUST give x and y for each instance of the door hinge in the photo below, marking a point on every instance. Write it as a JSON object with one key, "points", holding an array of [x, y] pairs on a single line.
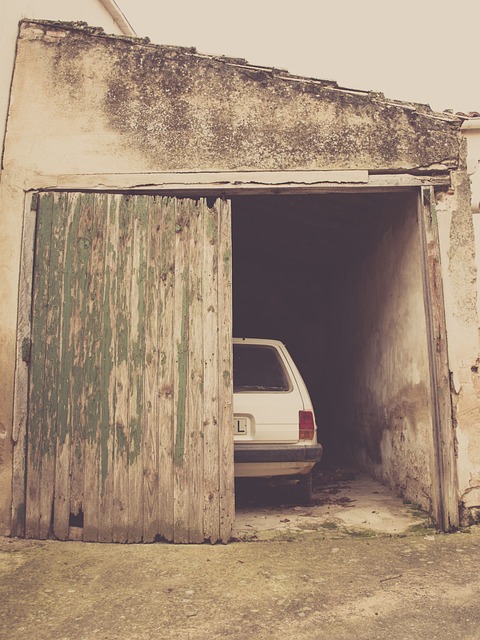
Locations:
{"points": [[35, 201], [26, 350]]}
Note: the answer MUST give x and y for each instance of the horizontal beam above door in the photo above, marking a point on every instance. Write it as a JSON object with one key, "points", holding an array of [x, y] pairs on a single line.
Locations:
{"points": [[236, 182]]}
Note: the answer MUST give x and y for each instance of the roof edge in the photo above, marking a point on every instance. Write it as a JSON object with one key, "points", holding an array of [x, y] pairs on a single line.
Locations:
{"points": [[421, 109]]}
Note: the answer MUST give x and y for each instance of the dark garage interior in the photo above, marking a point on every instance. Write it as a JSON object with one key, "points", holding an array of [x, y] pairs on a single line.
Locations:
{"points": [[338, 278]]}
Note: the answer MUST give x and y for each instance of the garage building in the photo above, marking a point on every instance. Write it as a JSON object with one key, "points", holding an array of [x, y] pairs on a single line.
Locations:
{"points": [[155, 201]]}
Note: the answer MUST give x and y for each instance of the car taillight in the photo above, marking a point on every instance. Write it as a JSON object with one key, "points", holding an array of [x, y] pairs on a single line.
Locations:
{"points": [[306, 425]]}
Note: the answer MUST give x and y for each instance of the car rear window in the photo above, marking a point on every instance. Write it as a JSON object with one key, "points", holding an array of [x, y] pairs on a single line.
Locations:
{"points": [[258, 368]]}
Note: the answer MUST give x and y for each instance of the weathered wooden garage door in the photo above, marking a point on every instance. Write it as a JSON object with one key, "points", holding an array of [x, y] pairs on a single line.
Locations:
{"points": [[130, 426]]}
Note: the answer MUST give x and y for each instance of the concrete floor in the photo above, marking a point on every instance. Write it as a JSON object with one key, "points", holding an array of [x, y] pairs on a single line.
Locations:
{"points": [[317, 585], [344, 502]]}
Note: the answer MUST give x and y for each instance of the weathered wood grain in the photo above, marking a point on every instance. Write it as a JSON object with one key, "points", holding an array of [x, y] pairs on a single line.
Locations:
{"points": [[136, 362], [92, 374], [151, 430], [123, 277], [195, 376], [81, 388], [52, 205], [225, 419], [64, 436], [130, 395], [23, 358], [107, 428], [36, 441], [445, 489], [166, 219], [181, 347], [211, 497]]}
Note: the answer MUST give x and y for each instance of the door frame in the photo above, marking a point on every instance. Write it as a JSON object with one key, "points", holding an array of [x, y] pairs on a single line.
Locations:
{"points": [[445, 503]]}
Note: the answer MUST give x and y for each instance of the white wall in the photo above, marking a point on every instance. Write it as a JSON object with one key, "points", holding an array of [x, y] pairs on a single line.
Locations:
{"points": [[12, 11], [382, 357]]}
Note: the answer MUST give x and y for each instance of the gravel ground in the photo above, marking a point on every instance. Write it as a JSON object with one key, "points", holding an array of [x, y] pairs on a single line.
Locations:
{"points": [[320, 586]]}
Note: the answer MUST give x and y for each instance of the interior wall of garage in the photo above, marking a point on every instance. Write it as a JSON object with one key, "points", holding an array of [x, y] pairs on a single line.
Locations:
{"points": [[338, 279], [381, 367]]}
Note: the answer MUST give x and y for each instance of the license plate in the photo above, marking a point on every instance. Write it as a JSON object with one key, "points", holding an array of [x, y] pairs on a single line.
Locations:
{"points": [[240, 426]]}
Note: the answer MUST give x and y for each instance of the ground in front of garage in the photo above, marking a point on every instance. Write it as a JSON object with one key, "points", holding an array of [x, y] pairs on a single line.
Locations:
{"points": [[355, 563]]}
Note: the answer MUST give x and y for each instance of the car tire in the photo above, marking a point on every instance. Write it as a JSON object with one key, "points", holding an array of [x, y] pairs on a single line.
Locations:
{"points": [[305, 488]]}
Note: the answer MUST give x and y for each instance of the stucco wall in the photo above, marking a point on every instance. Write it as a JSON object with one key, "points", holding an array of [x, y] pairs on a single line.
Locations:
{"points": [[91, 11], [112, 105], [383, 358], [460, 288]]}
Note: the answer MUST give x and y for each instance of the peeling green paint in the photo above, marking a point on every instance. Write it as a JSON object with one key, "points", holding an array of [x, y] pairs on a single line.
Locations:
{"points": [[227, 258], [211, 225], [112, 263], [182, 355], [26, 349], [226, 377]]}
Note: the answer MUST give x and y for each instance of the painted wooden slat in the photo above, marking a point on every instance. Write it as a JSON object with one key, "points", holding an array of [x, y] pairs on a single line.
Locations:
{"points": [[136, 363], [225, 419], [181, 348], [52, 369], [107, 429], [165, 217], [63, 444], [36, 395], [211, 371], [123, 276], [150, 435], [92, 375], [23, 359], [80, 252], [445, 489], [195, 376]]}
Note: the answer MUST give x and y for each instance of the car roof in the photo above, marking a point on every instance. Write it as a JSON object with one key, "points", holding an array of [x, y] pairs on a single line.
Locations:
{"points": [[260, 341]]}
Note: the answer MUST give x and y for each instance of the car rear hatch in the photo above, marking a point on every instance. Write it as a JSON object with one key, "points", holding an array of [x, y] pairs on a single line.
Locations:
{"points": [[267, 399]]}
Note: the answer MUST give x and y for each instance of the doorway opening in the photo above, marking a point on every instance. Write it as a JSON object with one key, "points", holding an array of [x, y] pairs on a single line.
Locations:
{"points": [[338, 278]]}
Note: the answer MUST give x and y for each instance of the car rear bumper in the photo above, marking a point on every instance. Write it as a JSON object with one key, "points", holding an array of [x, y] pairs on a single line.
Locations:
{"points": [[277, 453], [268, 461]]}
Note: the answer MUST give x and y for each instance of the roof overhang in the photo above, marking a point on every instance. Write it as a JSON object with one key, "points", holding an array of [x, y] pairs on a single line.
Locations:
{"points": [[119, 17]]}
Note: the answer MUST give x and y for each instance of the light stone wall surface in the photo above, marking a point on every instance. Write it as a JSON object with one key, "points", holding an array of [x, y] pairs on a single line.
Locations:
{"points": [[12, 12], [384, 358]]}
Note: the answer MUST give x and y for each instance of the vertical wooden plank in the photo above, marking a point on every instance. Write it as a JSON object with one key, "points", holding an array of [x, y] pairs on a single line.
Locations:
{"points": [[195, 378], [38, 427], [181, 340], [67, 341], [151, 515], [81, 255], [36, 395], [52, 368], [139, 220], [120, 510], [211, 393], [92, 379], [166, 217], [108, 369], [23, 356], [225, 419], [445, 494]]}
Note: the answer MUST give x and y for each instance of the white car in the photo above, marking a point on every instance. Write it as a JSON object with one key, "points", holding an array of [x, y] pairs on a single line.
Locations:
{"points": [[275, 433]]}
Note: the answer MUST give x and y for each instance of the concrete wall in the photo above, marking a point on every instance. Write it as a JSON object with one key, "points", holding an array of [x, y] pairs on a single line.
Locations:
{"points": [[91, 11], [458, 254], [112, 105], [382, 357], [88, 106]]}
